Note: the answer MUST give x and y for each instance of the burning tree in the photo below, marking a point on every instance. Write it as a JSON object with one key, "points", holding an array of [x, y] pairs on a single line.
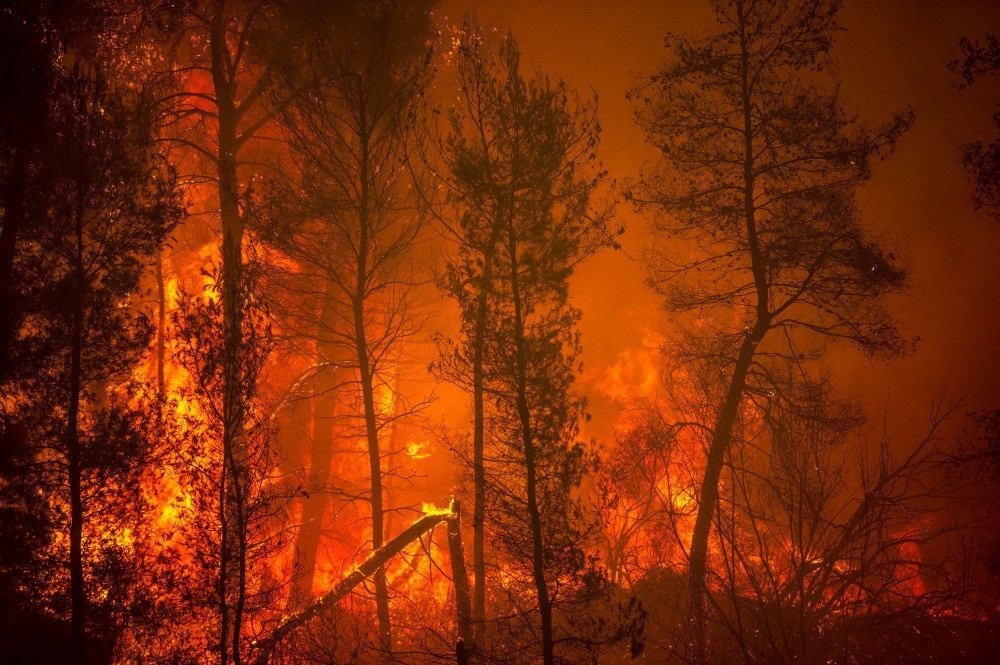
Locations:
{"points": [[760, 163], [221, 76]]}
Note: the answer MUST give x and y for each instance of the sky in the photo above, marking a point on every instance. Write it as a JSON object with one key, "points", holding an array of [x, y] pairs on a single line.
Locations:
{"points": [[892, 54]]}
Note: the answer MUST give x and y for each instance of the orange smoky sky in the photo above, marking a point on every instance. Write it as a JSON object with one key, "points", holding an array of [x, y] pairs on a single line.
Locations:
{"points": [[892, 54]]}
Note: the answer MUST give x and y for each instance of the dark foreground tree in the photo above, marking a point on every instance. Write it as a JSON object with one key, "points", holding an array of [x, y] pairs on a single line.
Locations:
{"points": [[23, 133], [760, 163], [108, 203]]}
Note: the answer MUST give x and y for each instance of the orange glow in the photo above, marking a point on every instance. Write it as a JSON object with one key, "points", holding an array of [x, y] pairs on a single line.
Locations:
{"points": [[633, 386]]}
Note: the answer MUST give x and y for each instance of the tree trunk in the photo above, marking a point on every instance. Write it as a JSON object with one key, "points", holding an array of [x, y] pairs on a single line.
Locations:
{"points": [[375, 471], [463, 608], [721, 437], [320, 457], [375, 562], [479, 437], [365, 371], [78, 598], [729, 409], [233, 540], [478, 441], [531, 479]]}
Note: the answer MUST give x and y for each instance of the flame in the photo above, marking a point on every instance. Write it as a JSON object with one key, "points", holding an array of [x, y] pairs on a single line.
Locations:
{"points": [[418, 449], [419, 576], [431, 509]]}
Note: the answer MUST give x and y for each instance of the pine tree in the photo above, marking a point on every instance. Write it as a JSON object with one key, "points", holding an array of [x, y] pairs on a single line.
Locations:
{"points": [[351, 220], [756, 190], [109, 203], [522, 175]]}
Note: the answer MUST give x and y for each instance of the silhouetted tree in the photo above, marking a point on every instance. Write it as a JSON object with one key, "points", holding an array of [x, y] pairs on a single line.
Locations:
{"points": [[222, 75], [759, 167], [107, 205], [351, 220], [522, 174], [816, 537], [24, 129], [23, 132], [470, 275]]}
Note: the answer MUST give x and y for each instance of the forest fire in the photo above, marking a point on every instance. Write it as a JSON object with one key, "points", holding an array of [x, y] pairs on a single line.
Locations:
{"points": [[357, 333]]}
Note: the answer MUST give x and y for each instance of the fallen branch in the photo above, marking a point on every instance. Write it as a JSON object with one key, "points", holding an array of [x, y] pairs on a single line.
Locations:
{"points": [[265, 647]]}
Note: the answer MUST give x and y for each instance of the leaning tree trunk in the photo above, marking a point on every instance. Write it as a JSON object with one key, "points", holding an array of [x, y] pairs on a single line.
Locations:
{"points": [[375, 562], [729, 409], [698, 558]]}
